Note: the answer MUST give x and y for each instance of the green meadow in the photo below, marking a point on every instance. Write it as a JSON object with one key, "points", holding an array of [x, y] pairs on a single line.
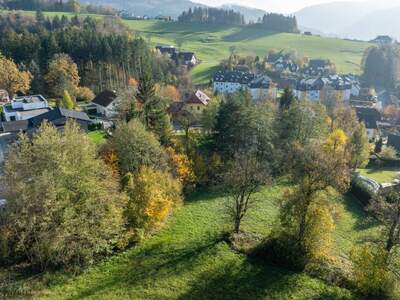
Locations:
{"points": [[188, 259], [211, 43]]}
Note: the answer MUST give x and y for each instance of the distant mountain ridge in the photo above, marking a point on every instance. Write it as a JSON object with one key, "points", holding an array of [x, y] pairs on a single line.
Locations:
{"points": [[360, 20]]}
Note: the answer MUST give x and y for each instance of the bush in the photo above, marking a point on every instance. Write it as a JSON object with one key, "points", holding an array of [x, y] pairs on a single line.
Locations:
{"points": [[370, 269], [84, 94]]}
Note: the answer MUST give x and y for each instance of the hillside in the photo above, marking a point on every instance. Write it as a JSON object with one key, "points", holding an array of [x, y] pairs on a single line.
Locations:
{"points": [[211, 44], [188, 260]]}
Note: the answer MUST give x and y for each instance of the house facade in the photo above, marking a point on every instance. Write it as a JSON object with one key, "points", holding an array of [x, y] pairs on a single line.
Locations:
{"points": [[106, 104], [260, 87], [24, 108], [196, 103]]}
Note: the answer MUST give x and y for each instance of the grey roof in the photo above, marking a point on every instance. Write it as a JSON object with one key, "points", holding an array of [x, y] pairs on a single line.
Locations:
{"points": [[261, 82], [15, 126], [233, 77], [58, 113]]}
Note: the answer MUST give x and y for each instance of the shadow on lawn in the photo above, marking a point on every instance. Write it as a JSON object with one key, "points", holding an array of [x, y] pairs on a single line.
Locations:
{"points": [[252, 279]]}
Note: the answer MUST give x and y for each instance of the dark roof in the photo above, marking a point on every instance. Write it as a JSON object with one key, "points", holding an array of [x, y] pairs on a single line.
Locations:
{"points": [[175, 107], [233, 76], [370, 116], [198, 97], [261, 82], [15, 126], [59, 113], [166, 49], [394, 141], [105, 98]]}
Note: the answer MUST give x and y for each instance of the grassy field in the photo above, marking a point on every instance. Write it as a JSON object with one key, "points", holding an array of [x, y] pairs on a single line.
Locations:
{"points": [[211, 43], [385, 175], [188, 260]]}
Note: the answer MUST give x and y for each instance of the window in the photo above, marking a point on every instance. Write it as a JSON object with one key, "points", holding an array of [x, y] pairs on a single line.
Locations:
{"points": [[198, 107]]}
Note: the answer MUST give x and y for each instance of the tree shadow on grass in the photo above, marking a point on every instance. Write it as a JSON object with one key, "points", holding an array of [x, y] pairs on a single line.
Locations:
{"points": [[154, 263], [255, 279], [248, 33]]}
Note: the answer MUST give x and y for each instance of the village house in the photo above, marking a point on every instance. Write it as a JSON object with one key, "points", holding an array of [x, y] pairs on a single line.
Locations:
{"points": [[185, 58], [317, 67], [324, 88], [106, 103], [370, 117], [260, 86], [58, 117], [24, 108], [282, 64], [197, 102]]}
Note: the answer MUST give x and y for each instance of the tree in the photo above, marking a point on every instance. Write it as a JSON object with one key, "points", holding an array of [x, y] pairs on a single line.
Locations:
{"points": [[12, 79], [136, 147], [385, 206], [286, 100], [84, 94], [359, 147], [152, 196], [388, 152], [242, 178], [62, 75], [316, 169], [67, 101], [64, 206]]}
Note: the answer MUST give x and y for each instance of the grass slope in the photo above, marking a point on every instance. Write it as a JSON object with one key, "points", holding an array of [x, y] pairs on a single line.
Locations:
{"points": [[211, 43], [188, 260]]}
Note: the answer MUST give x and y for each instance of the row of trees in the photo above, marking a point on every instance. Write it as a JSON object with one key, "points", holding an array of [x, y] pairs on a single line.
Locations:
{"points": [[55, 5], [280, 23], [105, 51], [381, 66], [210, 15]]}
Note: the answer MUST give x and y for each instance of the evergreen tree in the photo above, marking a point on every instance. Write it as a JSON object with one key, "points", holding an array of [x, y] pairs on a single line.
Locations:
{"points": [[67, 101]]}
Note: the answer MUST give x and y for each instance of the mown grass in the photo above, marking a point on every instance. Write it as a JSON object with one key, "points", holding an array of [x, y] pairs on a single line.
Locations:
{"points": [[189, 260], [98, 137], [381, 175]]}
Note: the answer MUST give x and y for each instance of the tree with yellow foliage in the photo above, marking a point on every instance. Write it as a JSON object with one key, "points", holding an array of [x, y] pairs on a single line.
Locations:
{"points": [[12, 79], [181, 167], [62, 75], [152, 196]]}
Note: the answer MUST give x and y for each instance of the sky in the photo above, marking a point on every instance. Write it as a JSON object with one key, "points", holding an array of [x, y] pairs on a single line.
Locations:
{"points": [[282, 6]]}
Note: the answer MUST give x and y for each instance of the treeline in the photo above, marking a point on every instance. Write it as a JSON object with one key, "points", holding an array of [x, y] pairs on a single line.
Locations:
{"points": [[107, 54], [54, 5], [280, 23], [381, 66], [209, 15]]}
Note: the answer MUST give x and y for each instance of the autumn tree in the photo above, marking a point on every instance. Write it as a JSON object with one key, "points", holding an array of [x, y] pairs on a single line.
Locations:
{"points": [[64, 207], [318, 167], [242, 179], [359, 147], [136, 147], [62, 75], [12, 79], [67, 101], [181, 167], [152, 196]]}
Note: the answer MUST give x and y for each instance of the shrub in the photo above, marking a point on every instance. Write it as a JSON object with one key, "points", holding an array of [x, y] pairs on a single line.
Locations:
{"points": [[84, 94], [370, 269]]}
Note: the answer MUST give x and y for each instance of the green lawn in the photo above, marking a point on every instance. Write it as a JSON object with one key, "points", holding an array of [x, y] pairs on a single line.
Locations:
{"points": [[188, 260], [211, 43], [385, 175], [98, 137]]}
